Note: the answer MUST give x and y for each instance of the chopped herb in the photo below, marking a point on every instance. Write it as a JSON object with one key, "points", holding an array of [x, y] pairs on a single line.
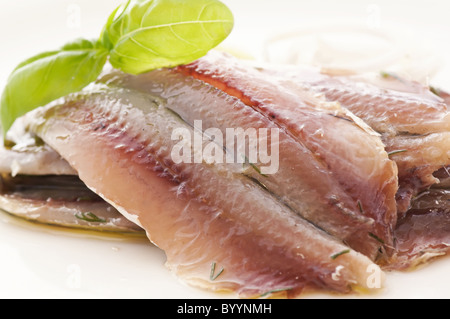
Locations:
{"points": [[84, 198], [340, 254], [256, 168], [360, 207], [376, 237], [386, 75], [342, 118], [275, 291], [212, 275], [397, 152], [435, 91], [90, 217]]}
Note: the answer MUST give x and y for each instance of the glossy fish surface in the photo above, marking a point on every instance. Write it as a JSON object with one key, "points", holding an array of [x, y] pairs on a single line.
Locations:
{"points": [[360, 180], [412, 119], [61, 201], [203, 216], [330, 168]]}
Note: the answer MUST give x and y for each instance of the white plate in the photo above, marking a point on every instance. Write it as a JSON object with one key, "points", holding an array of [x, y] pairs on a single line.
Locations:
{"points": [[47, 262]]}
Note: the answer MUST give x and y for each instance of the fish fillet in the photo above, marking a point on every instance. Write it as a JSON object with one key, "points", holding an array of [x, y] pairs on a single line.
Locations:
{"points": [[337, 203], [62, 201], [26, 154], [333, 171], [310, 178], [205, 217], [413, 121]]}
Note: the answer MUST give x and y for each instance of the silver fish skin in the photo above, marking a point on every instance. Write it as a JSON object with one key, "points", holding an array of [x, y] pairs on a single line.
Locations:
{"points": [[413, 119], [26, 154], [203, 216], [60, 201], [329, 173], [333, 171]]}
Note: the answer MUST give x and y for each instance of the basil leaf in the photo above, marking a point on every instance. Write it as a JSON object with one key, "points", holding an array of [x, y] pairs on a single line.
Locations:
{"points": [[49, 76], [141, 36], [151, 34], [104, 38]]}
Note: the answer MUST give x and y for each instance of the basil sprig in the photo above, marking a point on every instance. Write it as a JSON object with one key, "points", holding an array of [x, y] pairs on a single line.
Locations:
{"points": [[140, 36], [49, 76], [151, 34]]}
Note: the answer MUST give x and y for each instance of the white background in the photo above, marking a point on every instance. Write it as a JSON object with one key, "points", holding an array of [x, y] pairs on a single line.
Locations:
{"points": [[50, 263]]}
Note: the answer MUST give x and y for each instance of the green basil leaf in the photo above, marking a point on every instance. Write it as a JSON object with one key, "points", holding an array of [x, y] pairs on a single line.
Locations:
{"points": [[151, 34], [104, 38], [49, 76]]}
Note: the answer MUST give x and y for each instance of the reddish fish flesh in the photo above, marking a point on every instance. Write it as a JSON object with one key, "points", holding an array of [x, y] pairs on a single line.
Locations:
{"points": [[337, 204], [218, 228], [424, 232], [331, 166], [413, 121]]}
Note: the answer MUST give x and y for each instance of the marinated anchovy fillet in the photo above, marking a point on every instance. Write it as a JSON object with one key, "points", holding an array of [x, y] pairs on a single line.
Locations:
{"points": [[203, 216], [424, 232], [33, 160], [333, 170], [27, 154], [37, 184], [60, 200], [361, 171], [414, 121]]}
